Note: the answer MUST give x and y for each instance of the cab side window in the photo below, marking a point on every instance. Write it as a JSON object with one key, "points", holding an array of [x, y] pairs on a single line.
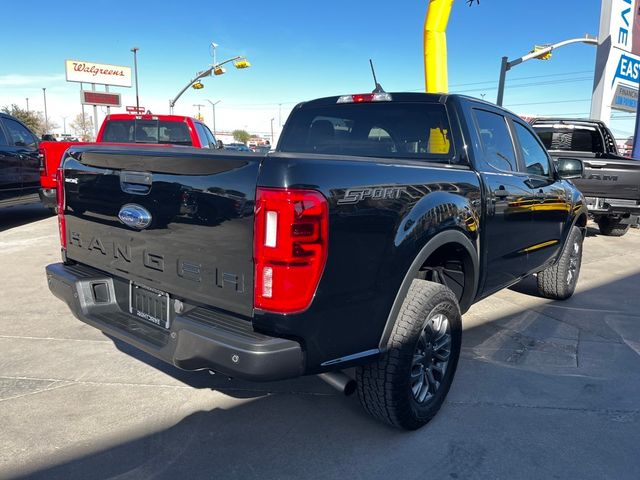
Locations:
{"points": [[212, 140], [534, 155], [20, 136], [202, 136], [496, 140]]}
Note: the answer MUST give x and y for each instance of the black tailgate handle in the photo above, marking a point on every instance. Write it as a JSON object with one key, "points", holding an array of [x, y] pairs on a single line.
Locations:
{"points": [[138, 183], [596, 164]]}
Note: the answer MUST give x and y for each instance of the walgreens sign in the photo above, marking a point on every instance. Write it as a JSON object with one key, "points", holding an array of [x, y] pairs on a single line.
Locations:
{"points": [[103, 74]]}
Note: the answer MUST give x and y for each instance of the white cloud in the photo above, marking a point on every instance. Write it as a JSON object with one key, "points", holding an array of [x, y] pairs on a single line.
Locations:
{"points": [[17, 80]]}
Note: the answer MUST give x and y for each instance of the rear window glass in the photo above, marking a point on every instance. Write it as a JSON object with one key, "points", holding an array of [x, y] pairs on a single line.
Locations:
{"points": [[391, 130], [583, 139], [146, 131]]}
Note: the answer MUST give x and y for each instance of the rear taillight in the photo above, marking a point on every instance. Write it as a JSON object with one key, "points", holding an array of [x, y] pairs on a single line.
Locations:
{"points": [[62, 225], [43, 162], [290, 247]]}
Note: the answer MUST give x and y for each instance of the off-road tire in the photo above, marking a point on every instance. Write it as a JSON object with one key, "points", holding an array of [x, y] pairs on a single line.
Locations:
{"points": [[558, 281], [610, 227], [385, 386]]}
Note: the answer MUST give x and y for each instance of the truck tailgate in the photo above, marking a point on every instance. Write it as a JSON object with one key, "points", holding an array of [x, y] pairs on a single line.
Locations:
{"points": [[198, 246], [610, 178]]}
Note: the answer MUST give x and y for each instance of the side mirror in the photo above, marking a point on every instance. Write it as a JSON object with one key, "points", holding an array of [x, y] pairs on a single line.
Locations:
{"points": [[569, 168]]}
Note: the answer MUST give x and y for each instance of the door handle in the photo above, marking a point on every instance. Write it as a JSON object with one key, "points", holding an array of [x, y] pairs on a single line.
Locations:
{"points": [[501, 192]]}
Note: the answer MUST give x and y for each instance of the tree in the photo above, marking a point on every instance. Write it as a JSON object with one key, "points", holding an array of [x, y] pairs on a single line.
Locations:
{"points": [[82, 127], [32, 119], [241, 136], [52, 125]]}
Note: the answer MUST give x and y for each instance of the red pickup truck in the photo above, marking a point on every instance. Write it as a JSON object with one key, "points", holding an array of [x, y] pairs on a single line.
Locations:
{"points": [[160, 130]]}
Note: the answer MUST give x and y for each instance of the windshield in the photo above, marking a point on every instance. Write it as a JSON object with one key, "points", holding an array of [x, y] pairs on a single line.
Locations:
{"points": [[578, 139], [146, 131], [387, 130]]}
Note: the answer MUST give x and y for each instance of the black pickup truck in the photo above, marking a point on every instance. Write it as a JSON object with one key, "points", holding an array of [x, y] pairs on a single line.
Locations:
{"points": [[379, 219], [19, 163], [611, 183]]}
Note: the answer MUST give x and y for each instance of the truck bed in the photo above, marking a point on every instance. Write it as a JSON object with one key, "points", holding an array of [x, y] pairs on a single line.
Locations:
{"points": [[607, 176]]}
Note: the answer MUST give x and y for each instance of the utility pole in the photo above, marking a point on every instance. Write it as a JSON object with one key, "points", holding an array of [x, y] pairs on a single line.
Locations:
{"points": [[135, 69], [64, 125], [27, 104], [199, 105], [46, 117]]}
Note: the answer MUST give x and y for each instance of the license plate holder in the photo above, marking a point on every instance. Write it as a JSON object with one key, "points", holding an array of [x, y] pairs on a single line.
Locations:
{"points": [[149, 304]]}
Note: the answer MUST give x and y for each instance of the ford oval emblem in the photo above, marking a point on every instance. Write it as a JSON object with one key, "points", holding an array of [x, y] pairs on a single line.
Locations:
{"points": [[135, 216]]}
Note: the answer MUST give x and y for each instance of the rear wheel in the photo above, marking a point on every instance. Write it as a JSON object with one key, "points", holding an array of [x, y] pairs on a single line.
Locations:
{"points": [[408, 384], [612, 227], [559, 281]]}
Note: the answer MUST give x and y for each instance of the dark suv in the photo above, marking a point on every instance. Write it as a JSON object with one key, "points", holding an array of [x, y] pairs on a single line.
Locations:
{"points": [[19, 163]]}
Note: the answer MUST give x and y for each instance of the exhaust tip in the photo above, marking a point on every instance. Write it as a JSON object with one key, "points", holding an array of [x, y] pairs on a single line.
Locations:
{"points": [[350, 387], [340, 381]]}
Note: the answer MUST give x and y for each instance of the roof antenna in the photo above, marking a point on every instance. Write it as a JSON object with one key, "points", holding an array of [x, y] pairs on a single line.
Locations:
{"points": [[378, 88]]}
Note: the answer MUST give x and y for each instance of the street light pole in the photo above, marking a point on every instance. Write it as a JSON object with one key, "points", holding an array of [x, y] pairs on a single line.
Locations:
{"points": [[64, 125], [272, 130], [507, 65], [199, 75], [27, 99], [213, 109], [135, 69], [46, 117]]}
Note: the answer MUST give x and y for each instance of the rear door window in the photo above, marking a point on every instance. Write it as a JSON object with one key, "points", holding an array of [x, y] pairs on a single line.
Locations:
{"points": [[533, 153], [387, 130], [496, 140], [20, 136]]}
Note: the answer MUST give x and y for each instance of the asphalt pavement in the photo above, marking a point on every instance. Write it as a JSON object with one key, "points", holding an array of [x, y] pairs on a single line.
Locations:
{"points": [[544, 389]]}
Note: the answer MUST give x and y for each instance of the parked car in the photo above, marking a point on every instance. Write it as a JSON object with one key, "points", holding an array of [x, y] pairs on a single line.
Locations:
{"points": [[611, 183], [238, 147], [157, 130], [378, 220], [19, 163], [262, 149]]}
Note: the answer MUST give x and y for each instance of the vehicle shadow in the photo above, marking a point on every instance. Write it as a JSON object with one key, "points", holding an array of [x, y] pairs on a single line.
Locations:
{"points": [[593, 231], [12, 217], [233, 387], [311, 435]]}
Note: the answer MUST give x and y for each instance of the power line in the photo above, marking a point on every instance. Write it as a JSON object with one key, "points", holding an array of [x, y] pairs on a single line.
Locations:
{"points": [[530, 84], [524, 78], [550, 102], [511, 79]]}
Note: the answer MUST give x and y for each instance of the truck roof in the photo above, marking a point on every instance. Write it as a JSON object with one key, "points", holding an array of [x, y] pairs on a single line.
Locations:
{"points": [[150, 116], [402, 97]]}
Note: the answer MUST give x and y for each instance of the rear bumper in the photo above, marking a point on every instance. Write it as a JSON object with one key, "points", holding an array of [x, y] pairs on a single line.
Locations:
{"points": [[48, 197], [197, 339], [613, 206]]}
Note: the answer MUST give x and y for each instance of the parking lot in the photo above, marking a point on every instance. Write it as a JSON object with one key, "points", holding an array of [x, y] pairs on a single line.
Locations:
{"points": [[544, 389]]}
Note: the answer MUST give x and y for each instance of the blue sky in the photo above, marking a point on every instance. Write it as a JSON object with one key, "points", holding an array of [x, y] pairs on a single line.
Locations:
{"points": [[298, 50]]}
